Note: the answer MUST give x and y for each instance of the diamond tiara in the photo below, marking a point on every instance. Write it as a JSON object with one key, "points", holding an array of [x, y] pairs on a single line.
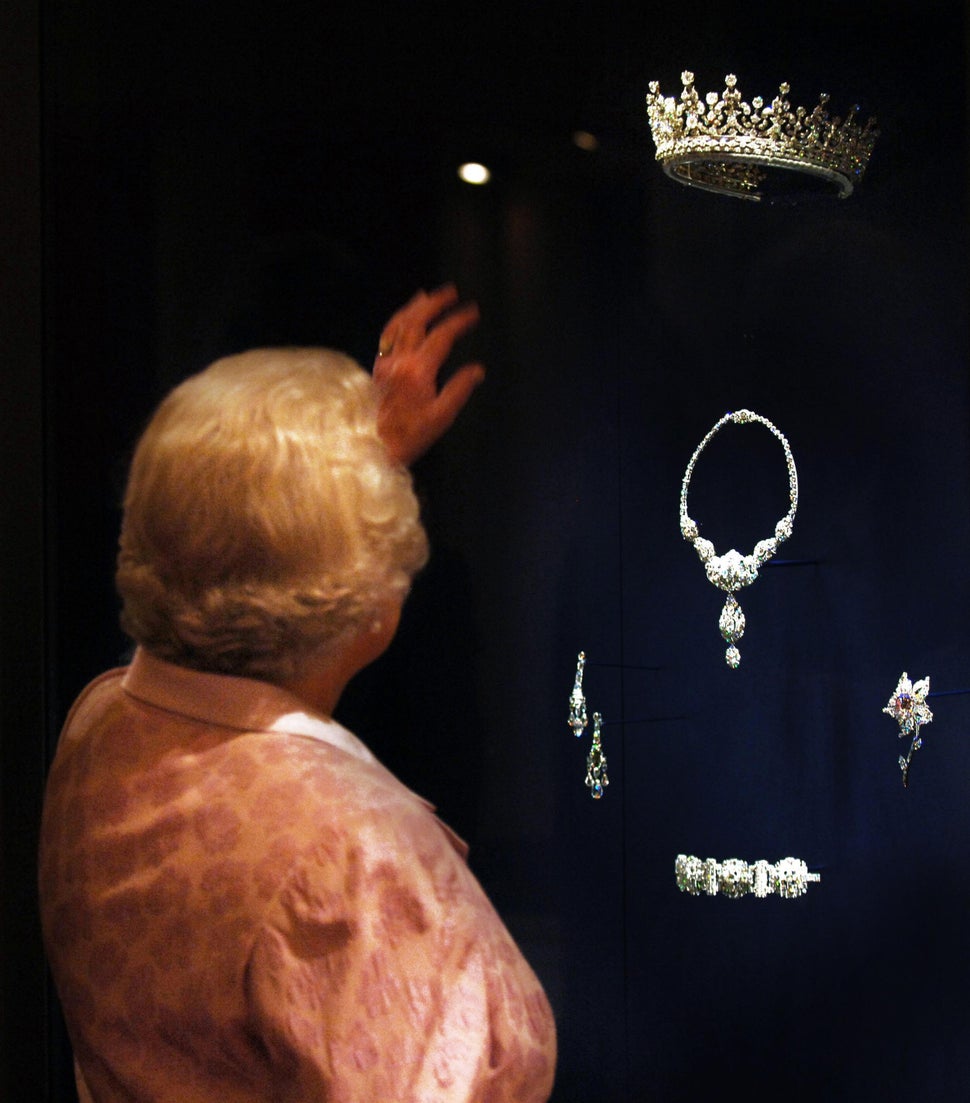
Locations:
{"points": [[725, 144]]}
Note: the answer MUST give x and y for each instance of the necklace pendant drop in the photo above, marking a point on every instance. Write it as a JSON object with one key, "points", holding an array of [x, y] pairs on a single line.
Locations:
{"points": [[731, 624]]}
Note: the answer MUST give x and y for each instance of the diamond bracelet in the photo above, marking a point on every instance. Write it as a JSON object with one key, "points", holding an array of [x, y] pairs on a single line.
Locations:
{"points": [[733, 878]]}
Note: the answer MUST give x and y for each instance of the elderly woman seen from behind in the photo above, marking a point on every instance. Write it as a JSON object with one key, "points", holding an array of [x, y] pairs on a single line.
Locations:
{"points": [[239, 902]]}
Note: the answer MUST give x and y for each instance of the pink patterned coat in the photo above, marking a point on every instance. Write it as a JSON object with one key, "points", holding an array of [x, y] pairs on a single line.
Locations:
{"points": [[241, 904]]}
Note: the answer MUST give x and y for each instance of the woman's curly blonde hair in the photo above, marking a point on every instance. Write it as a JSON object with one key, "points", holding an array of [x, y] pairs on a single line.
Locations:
{"points": [[263, 517]]}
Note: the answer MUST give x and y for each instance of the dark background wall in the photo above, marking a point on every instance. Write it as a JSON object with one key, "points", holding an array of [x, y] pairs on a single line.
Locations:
{"points": [[212, 177]]}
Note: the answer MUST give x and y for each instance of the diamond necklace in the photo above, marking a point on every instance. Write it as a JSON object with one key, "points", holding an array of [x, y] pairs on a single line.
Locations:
{"points": [[733, 570]]}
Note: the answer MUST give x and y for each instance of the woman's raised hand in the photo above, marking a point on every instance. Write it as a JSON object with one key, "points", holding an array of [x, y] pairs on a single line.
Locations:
{"points": [[414, 412]]}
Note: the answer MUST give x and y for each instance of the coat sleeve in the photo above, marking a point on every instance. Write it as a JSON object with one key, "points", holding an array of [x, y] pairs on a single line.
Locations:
{"points": [[383, 973]]}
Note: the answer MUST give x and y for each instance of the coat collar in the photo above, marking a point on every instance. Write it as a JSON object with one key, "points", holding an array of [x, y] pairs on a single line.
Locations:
{"points": [[243, 704]]}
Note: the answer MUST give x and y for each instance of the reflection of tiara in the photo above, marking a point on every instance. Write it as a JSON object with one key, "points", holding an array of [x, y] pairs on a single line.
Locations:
{"points": [[724, 144]]}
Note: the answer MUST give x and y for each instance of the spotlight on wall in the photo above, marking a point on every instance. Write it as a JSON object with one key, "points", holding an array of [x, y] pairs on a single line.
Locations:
{"points": [[474, 173], [584, 140]]}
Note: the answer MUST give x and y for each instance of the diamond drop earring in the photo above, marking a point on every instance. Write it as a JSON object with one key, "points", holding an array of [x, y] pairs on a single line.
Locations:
{"points": [[577, 702], [596, 779]]}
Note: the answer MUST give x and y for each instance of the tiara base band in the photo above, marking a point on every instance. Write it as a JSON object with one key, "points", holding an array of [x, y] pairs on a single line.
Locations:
{"points": [[744, 175]]}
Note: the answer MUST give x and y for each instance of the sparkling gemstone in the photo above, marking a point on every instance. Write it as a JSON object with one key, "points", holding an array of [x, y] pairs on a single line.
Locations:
{"points": [[765, 549], [790, 876], [689, 874], [732, 621], [688, 528], [760, 878], [732, 657], [735, 878], [732, 570], [783, 529], [704, 549]]}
